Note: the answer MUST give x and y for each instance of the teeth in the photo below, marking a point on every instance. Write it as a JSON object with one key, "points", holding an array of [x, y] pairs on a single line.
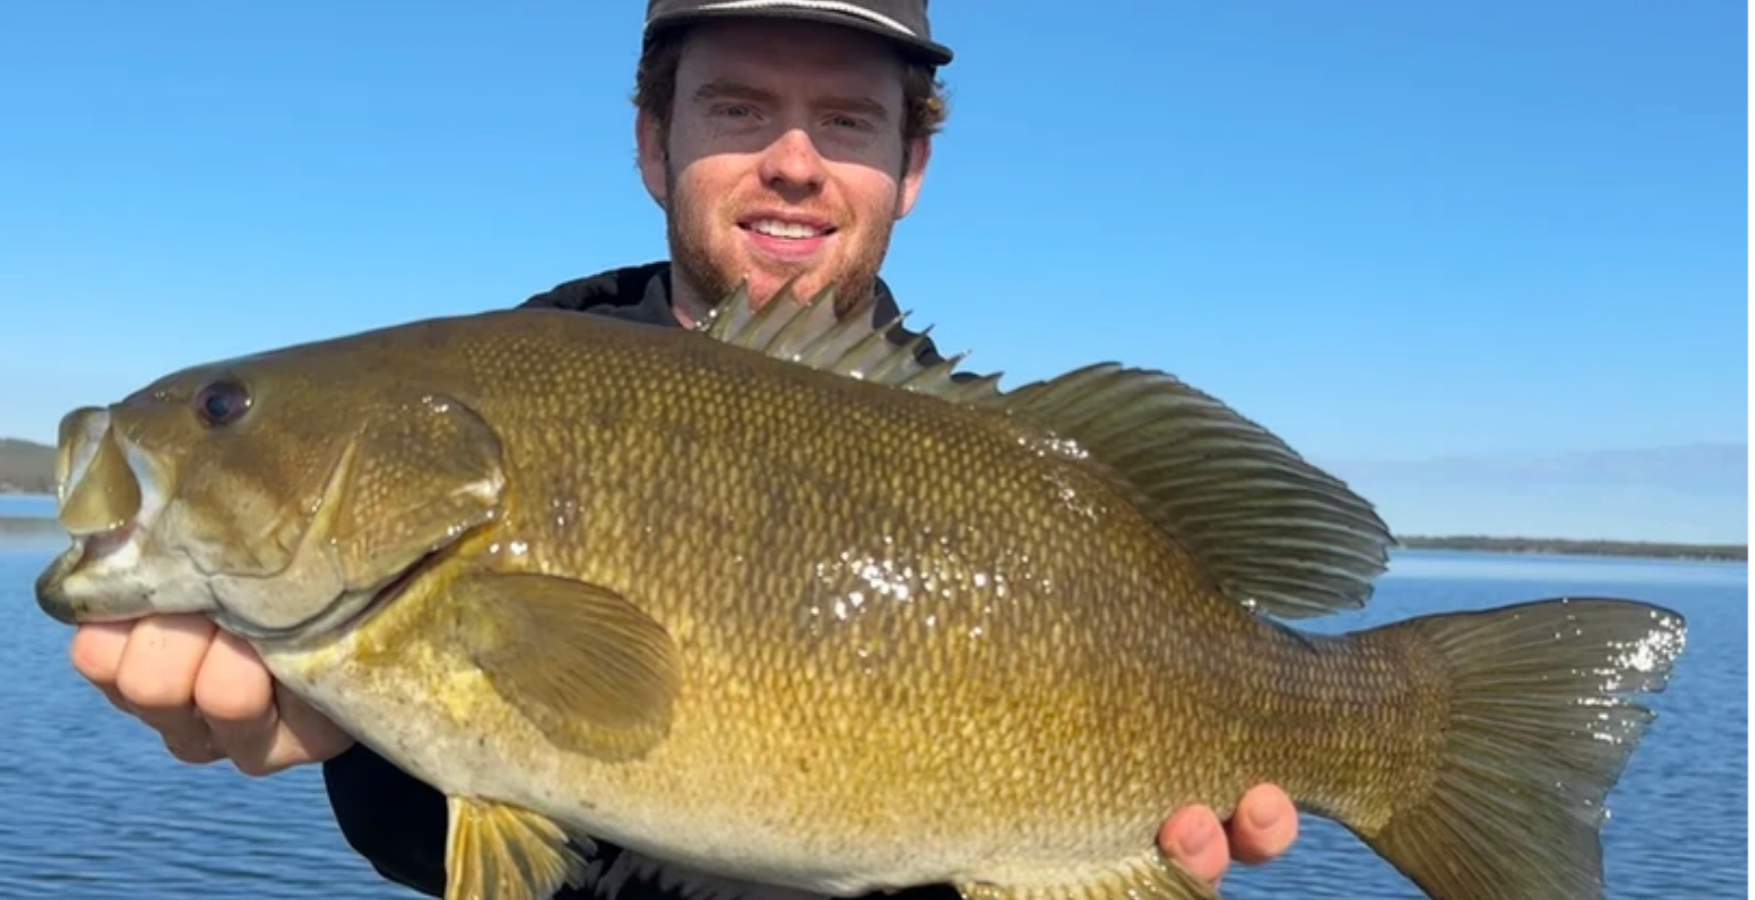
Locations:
{"points": [[775, 228]]}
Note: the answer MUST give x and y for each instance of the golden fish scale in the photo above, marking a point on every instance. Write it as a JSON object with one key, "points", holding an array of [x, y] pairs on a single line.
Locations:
{"points": [[1058, 678]]}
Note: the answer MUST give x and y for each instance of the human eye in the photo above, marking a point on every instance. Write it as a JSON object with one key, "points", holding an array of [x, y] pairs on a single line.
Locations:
{"points": [[733, 111], [849, 122]]}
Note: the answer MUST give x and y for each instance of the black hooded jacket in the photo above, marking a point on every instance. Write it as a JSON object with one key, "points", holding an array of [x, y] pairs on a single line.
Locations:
{"points": [[397, 822]]}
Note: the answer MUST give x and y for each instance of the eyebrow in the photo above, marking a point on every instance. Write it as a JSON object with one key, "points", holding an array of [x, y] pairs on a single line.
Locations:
{"points": [[725, 89]]}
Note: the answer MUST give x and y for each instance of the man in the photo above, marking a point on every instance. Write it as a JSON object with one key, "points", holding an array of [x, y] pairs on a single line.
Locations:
{"points": [[780, 141]]}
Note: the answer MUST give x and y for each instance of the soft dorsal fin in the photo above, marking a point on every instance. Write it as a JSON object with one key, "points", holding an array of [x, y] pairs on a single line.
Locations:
{"points": [[1278, 534]]}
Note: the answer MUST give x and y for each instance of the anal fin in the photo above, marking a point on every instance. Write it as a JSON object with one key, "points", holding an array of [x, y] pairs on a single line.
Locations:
{"points": [[499, 852], [1149, 877]]}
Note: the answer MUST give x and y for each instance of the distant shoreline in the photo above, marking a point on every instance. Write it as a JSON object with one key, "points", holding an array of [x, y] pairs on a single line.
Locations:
{"points": [[40, 525], [1570, 547], [27, 525]]}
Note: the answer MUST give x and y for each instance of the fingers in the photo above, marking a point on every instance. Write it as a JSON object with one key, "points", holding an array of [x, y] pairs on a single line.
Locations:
{"points": [[157, 681], [1264, 826], [263, 728], [310, 735], [235, 695], [205, 692], [96, 654], [1194, 838]]}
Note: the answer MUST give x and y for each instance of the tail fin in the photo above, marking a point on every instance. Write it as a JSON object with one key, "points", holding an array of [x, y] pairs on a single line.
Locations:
{"points": [[1539, 732]]}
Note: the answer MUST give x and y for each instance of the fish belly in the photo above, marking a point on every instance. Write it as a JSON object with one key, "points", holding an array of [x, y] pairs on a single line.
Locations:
{"points": [[862, 774], [716, 803]]}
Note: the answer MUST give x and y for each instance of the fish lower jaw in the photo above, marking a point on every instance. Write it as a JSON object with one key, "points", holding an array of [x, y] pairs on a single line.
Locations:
{"points": [[120, 577]]}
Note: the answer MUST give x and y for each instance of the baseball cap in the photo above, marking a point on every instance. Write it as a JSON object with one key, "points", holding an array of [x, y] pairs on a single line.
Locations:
{"points": [[901, 21]]}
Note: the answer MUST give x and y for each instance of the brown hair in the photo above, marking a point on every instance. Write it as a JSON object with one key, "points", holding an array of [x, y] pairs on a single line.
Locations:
{"points": [[923, 98]]}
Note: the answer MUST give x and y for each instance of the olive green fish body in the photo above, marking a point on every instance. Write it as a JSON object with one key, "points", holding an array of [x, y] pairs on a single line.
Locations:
{"points": [[780, 603], [920, 622]]}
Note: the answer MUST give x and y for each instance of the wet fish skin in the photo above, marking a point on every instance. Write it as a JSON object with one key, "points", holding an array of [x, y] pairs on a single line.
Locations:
{"points": [[648, 587]]}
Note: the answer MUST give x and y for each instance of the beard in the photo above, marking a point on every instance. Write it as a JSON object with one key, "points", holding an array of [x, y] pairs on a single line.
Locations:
{"points": [[691, 222]]}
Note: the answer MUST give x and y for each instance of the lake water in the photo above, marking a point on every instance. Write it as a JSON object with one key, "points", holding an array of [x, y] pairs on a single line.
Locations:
{"points": [[95, 809], [40, 505]]}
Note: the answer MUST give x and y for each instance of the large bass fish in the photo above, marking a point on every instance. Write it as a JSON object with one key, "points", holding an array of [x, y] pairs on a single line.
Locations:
{"points": [[783, 604]]}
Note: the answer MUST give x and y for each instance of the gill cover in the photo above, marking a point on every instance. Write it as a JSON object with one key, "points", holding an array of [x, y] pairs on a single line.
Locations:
{"points": [[412, 479]]}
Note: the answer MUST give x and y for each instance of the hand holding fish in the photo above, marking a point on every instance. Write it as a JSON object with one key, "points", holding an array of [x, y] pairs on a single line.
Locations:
{"points": [[206, 692]]}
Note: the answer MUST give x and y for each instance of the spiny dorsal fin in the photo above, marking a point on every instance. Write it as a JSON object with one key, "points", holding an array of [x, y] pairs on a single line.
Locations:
{"points": [[1279, 534], [811, 333]]}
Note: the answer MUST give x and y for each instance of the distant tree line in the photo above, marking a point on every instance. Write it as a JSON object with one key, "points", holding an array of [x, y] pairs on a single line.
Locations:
{"points": [[26, 467], [1578, 547]]}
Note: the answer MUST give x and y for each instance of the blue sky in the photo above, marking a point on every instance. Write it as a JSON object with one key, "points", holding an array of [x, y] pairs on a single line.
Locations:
{"points": [[1398, 234]]}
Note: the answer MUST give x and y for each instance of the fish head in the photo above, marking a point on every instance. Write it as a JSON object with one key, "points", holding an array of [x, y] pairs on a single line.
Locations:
{"points": [[279, 494]]}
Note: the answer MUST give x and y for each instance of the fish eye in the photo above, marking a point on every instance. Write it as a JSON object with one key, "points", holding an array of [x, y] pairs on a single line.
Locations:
{"points": [[222, 402]]}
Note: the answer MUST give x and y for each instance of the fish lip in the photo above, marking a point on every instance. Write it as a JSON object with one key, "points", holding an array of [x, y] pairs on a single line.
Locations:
{"points": [[52, 597]]}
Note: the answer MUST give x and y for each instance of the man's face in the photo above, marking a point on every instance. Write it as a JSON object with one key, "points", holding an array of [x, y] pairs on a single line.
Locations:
{"points": [[784, 158]]}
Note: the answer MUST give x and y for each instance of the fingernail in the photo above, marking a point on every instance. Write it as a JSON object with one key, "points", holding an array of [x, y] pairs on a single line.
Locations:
{"points": [[1199, 839], [1263, 815]]}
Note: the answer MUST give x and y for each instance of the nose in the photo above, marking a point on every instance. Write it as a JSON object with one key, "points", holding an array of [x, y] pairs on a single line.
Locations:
{"points": [[792, 163], [96, 486]]}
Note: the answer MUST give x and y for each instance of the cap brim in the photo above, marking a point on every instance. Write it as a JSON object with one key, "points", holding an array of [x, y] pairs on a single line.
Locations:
{"points": [[917, 48]]}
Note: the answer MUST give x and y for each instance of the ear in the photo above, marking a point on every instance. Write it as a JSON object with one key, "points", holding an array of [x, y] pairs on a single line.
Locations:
{"points": [[650, 140], [919, 154]]}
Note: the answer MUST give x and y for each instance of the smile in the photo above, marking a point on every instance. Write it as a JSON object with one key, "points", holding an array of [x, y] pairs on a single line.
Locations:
{"points": [[788, 229]]}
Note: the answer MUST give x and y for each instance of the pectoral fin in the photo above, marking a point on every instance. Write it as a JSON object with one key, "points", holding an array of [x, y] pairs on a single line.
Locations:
{"points": [[1151, 877], [498, 852], [590, 670]]}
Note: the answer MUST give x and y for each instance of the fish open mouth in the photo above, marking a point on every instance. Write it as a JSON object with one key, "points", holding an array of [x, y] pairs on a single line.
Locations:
{"points": [[95, 548], [106, 492]]}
